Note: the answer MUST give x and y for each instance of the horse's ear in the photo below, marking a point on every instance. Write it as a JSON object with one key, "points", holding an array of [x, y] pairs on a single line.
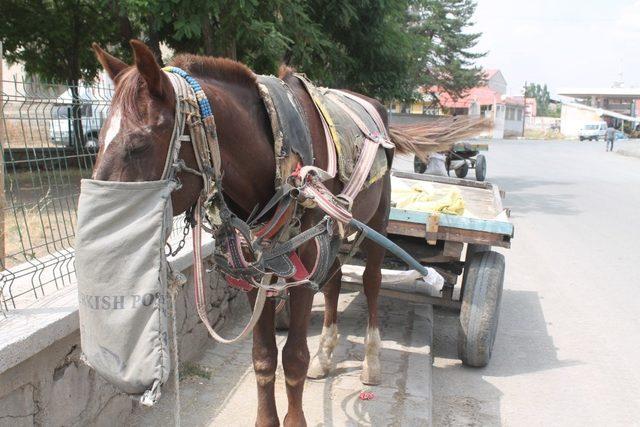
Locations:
{"points": [[112, 65], [148, 67]]}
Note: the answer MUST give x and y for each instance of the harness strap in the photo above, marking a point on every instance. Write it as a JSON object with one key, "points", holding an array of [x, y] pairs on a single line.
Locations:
{"points": [[200, 293]]}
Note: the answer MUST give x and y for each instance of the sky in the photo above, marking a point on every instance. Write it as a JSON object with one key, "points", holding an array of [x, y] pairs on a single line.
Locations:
{"points": [[563, 43]]}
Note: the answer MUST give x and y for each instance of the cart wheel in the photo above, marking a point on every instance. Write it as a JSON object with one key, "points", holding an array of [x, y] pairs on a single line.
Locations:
{"points": [[481, 167], [418, 165], [480, 308], [462, 171], [283, 317]]}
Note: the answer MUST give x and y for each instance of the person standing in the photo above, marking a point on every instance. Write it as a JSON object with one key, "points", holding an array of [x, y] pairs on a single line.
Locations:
{"points": [[610, 136]]}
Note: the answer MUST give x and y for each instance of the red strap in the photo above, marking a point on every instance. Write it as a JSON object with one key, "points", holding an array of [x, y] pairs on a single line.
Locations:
{"points": [[301, 271], [239, 283]]}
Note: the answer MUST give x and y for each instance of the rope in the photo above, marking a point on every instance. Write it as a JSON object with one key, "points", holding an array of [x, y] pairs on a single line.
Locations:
{"points": [[176, 369], [176, 281]]}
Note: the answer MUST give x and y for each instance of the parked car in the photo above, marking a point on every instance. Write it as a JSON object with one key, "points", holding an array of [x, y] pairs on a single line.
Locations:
{"points": [[93, 112], [593, 131]]}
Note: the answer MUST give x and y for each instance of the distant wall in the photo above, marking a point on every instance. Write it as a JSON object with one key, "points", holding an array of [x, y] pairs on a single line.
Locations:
{"points": [[573, 118], [410, 119]]}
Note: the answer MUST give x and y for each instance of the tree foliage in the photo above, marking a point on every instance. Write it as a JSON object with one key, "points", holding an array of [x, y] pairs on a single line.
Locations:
{"points": [[385, 48], [541, 95], [52, 38]]}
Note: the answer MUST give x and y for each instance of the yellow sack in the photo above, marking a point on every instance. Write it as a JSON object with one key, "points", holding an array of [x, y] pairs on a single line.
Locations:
{"points": [[425, 198]]}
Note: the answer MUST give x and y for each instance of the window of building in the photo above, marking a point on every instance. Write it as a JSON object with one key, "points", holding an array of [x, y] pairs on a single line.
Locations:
{"points": [[519, 114]]}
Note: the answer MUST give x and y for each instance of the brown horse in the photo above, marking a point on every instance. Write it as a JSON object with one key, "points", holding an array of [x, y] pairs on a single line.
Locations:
{"points": [[133, 147]]}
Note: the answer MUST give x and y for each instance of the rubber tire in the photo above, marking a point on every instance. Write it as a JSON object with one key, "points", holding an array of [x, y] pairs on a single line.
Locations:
{"points": [[481, 167], [419, 166], [581, 138], [283, 318], [480, 310], [463, 170], [472, 249]]}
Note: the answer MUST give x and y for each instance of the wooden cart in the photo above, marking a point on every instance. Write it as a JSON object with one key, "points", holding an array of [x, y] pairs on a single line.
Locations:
{"points": [[462, 157], [460, 248]]}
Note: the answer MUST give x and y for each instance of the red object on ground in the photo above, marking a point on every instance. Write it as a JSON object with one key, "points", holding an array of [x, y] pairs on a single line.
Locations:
{"points": [[366, 395]]}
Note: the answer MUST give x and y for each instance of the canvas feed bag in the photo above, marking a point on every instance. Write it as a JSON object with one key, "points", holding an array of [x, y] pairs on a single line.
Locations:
{"points": [[122, 275]]}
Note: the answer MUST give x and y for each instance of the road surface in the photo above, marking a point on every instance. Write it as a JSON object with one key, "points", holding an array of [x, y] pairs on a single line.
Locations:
{"points": [[568, 345]]}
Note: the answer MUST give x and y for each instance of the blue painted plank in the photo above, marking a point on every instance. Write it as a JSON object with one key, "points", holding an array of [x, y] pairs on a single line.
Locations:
{"points": [[454, 221]]}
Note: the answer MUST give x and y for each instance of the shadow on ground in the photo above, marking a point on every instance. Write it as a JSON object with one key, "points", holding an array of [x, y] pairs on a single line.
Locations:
{"points": [[466, 396]]}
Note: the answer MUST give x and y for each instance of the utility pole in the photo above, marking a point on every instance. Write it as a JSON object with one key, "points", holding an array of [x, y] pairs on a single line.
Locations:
{"points": [[524, 106]]}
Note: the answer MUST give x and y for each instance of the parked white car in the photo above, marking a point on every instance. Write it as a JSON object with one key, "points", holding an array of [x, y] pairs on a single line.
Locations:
{"points": [[93, 111], [593, 131]]}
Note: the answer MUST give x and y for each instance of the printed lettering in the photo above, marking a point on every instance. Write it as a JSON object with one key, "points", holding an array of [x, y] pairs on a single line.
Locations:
{"points": [[106, 302], [118, 302], [147, 299], [136, 301]]}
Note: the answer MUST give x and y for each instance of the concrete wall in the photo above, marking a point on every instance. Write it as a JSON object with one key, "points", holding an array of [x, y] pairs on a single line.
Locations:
{"points": [[52, 387], [573, 118]]}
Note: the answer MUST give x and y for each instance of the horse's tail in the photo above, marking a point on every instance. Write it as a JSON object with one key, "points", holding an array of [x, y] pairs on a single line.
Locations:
{"points": [[437, 135]]}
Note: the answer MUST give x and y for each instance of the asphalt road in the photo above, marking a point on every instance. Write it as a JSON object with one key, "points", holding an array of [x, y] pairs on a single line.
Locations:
{"points": [[568, 345]]}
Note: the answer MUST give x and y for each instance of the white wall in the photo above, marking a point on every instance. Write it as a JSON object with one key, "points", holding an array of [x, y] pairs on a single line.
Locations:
{"points": [[573, 118]]}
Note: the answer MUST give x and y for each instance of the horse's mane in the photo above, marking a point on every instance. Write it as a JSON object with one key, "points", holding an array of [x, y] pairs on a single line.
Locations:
{"points": [[223, 69]]}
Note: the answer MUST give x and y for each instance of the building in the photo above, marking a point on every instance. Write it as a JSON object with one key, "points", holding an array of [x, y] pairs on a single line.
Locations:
{"points": [[574, 116], [621, 100], [489, 100]]}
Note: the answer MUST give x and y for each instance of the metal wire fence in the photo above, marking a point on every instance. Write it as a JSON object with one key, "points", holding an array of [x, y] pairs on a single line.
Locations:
{"points": [[48, 135]]}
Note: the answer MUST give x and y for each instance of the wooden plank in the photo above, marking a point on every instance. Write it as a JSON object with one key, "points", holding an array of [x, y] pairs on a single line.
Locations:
{"points": [[404, 296], [432, 227], [453, 221], [449, 234], [453, 249], [442, 179]]}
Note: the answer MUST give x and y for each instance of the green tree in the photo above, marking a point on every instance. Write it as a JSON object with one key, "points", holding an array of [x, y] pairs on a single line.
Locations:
{"points": [[444, 45], [541, 95], [384, 48], [52, 38]]}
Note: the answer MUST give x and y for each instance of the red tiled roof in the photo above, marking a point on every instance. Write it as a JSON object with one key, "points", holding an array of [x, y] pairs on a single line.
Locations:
{"points": [[482, 95]]}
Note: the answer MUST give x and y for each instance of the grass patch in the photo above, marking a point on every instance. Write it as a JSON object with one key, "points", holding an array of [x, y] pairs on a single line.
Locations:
{"points": [[188, 369], [542, 134]]}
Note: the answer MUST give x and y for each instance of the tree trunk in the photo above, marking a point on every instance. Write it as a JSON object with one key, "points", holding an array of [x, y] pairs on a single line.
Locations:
{"points": [[207, 36], [154, 41]]}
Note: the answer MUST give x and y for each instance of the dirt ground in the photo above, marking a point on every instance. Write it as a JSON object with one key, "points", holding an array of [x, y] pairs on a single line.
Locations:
{"points": [[219, 390]]}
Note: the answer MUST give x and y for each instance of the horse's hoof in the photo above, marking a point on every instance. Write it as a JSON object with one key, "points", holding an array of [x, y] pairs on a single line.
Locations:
{"points": [[369, 378], [316, 370], [294, 420]]}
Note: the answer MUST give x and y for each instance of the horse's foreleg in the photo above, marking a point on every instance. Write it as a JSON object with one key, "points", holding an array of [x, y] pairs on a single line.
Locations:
{"points": [[265, 361], [321, 362], [295, 354], [371, 281]]}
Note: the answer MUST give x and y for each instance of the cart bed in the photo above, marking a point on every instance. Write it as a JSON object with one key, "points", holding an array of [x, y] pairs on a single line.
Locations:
{"points": [[484, 221]]}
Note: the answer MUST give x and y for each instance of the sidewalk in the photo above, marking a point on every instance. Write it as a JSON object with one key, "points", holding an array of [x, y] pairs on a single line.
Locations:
{"points": [[630, 148], [221, 391]]}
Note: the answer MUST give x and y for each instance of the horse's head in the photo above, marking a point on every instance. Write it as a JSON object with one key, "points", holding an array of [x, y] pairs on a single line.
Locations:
{"points": [[135, 138]]}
